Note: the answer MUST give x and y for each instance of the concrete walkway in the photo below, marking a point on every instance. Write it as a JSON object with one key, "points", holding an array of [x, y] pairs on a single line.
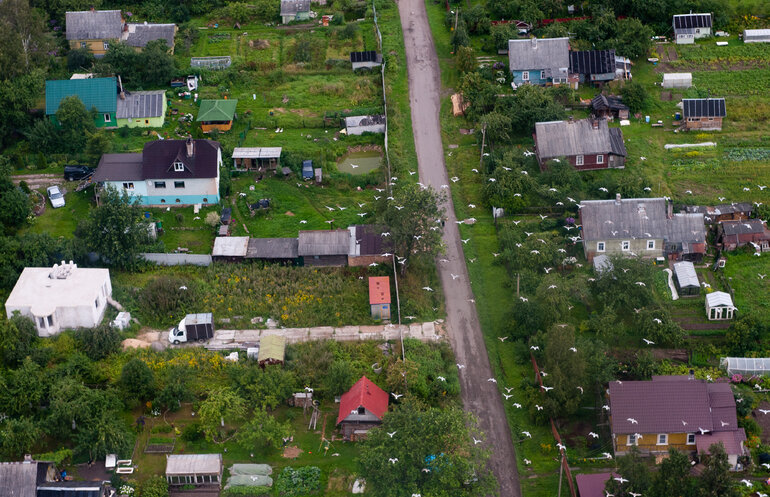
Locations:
{"points": [[479, 396]]}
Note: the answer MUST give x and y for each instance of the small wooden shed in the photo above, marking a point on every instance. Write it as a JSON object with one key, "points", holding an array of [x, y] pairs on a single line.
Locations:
{"points": [[719, 306], [271, 350], [379, 297], [256, 158]]}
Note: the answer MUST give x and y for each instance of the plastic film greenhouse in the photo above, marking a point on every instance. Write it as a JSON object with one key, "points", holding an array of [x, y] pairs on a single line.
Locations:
{"points": [[746, 366]]}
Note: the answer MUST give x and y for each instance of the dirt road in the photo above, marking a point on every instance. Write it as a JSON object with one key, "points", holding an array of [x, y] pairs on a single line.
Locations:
{"points": [[479, 396]]}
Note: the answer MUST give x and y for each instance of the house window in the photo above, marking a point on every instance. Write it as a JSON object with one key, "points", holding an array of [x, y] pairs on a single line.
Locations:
{"points": [[205, 200], [178, 184], [178, 201], [662, 439], [600, 247], [146, 121], [542, 75], [711, 118], [106, 46], [697, 31], [50, 320], [578, 160], [160, 184], [650, 244], [632, 440], [128, 186], [691, 439], [600, 159], [96, 303], [625, 245], [362, 410], [42, 322], [163, 201], [178, 166], [83, 44], [107, 118], [525, 76]]}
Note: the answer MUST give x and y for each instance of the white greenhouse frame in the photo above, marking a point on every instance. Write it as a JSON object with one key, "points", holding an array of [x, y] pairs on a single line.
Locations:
{"points": [[746, 365]]}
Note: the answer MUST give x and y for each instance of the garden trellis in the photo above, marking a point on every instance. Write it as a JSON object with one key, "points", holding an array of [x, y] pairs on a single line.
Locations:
{"points": [[746, 366]]}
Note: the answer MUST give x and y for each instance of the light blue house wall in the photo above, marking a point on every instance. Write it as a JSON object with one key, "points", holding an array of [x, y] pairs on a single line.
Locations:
{"points": [[196, 191], [535, 77], [133, 188]]}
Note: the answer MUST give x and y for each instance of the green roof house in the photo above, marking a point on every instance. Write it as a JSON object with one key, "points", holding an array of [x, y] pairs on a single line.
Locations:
{"points": [[216, 114], [96, 93]]}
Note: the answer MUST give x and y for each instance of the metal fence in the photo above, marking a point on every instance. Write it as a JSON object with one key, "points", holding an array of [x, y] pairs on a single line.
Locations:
{"points": [[163, 259]]}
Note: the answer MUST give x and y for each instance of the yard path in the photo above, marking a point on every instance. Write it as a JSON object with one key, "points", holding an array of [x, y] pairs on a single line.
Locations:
{"points": [[479, 396], [35, 181]]}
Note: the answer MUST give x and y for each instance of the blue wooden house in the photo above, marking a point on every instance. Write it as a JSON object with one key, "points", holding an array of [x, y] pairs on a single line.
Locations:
{"points": [[539, 61]]}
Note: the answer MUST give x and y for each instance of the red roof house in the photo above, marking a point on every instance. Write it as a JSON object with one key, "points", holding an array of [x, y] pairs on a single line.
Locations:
{"points": [[361, 408], [379, 297]]}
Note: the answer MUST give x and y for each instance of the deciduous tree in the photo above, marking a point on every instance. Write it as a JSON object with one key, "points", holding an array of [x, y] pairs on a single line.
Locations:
{"points": [[221, 407], [263, 430]]}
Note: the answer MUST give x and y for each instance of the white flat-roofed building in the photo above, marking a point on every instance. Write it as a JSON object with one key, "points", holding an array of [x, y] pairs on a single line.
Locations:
{"points": [[62, 297]]}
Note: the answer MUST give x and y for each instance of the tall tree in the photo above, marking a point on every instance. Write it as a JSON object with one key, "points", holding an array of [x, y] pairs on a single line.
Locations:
{"points": [[18, 436], [263, 430], [633, 469], [566, 371], [716, 480], [409, 218], [115, 230], [76, 123], [23, 38], [222, 406], [157, 64], [17, 339], [437, 440], [673, 476], [17, 96], [137, 380]]}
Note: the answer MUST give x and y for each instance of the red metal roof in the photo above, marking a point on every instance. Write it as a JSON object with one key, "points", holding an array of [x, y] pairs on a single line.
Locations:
{"points": [[363, 394], [592, 484], [379, 290], [731, 440]]}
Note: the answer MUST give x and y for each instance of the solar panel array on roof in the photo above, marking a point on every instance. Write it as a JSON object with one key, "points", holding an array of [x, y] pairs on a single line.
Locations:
{"points": [[367, 56], [592, 61], [686, 21], [704, 107]]}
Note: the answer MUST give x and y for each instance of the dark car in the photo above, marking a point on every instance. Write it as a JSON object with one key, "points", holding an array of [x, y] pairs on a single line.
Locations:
{"points": [[77, 173]]}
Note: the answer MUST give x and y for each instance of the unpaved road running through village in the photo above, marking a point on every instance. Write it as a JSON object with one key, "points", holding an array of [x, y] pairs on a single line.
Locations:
{"points": [[479, 395]]}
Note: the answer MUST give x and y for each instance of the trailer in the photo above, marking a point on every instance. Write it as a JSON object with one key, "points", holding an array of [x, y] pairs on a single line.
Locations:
{"points": [[192, 327]]}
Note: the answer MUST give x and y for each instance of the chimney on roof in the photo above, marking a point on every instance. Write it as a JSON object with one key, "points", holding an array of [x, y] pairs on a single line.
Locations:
{"points": [[93, 10], [120, 87], [617, 198], [669, 209], [27, 458], [691, 375], [190, 147], [534, 42], [595, 123]]}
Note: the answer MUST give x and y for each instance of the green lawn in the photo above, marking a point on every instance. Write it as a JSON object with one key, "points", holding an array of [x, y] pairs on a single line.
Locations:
{"points": [[64, 220], [742, 271]]}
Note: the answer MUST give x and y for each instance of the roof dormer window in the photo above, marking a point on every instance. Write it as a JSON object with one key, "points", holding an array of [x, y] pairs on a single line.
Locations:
{"points": [[178, 166]]}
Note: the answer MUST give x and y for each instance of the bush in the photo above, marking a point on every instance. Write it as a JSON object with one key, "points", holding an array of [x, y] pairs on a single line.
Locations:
{"points": [[192, 432], [634, 95], [212, 219], [156, 486], [293, 482], [168, 297], [97, 343]]}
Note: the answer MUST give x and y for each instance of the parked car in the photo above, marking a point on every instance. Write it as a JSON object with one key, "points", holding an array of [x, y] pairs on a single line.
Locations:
{"points": [[56, 196], [77, 173]]}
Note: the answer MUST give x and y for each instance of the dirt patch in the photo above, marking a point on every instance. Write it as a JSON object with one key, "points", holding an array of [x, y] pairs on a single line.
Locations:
{"points": [[259, 44], [671, 54], [665, 96], [289, 213], [292, 452], [304, 112], [133, 343], [763, 420]]}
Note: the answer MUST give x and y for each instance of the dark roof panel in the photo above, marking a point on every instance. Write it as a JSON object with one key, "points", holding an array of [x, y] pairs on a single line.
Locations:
{"points": [[704, 107], [592, 62], [687, 21], [367, 56], [743, 227], [158, 159]]}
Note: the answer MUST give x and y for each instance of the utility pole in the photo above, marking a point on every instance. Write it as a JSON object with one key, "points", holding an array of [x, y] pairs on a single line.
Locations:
{"points": [[561, 470], [457, 15], [483, 143]]}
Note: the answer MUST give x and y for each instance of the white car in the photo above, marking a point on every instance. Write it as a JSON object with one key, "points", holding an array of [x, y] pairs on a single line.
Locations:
{"points": [[56, 196]]}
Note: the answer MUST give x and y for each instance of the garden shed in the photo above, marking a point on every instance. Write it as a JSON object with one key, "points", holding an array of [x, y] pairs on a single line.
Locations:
{"points": [[256, 158], [271, 350], [230, 248], [686, 278], [719, 306], [747, 366], [379, 297], [677, 80], [194, 469], [756, 36]]}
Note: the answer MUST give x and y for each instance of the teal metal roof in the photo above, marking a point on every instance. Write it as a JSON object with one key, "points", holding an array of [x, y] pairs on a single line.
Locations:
{"points": [[101, 93]]}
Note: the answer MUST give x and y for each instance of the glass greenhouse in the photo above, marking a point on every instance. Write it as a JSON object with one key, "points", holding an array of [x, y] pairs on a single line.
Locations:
{"points": [[746, 366]]}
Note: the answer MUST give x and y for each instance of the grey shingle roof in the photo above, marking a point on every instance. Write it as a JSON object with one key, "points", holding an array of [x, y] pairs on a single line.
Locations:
{"points": [[704, 107], [644, 218], [93, 25], [686, 21], [324, 242], [293, 7], [538, 54], [592, 61], [139, 35], [743, 227], [564, 138], [710, 212], [272, 248], [685, 274], [141, 104], [602, 102], [18, 479], [119, 167], [715, 299], [660, 406]]}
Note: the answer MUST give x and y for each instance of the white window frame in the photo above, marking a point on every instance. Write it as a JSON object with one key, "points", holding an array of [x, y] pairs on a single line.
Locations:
{"points": [[625, 245], [631, 440], [106, 45], [601, 246], [650, 244], [83, 44], [662, 439], [128, 185], [107, 118], [542, 75], [579, 159], [525, 75], [693, 439], [600, 159], [178, 166]]}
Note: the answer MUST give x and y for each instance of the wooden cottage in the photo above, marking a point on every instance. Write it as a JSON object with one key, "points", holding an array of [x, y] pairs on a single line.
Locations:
{"points": [[543, 61], [197, 470], [216, 114], [734, 234], [690, 27], [686, 279], [609, 107], [256, 158], [703, 113], [719, 306], [271, 350], [586, 144], [361, 409], [379, 297]]}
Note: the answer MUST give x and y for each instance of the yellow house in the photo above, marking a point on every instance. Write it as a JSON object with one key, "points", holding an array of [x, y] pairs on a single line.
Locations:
{"points": [[674, 412], [94, 30]]}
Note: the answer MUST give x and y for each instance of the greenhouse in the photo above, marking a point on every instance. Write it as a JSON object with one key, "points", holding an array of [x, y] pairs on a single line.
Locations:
{"points": [[746, 366]]}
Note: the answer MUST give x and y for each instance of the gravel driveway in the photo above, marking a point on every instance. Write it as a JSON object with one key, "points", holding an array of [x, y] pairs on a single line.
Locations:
{"points": [[479, 396]]}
